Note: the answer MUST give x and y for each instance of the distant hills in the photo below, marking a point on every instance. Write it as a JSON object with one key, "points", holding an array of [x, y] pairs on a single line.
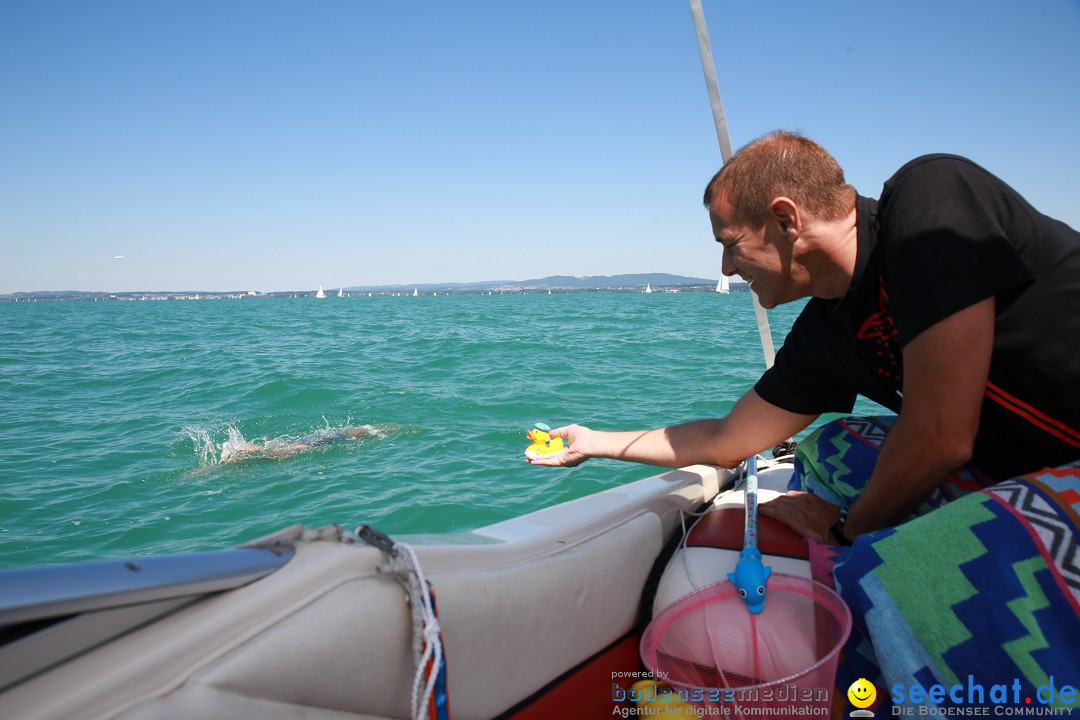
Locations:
{"points": [[554, 282], [659, 282]]}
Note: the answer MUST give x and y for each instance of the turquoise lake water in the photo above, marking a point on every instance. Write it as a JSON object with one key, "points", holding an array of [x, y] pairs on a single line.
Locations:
{"points": [[114, 416]]}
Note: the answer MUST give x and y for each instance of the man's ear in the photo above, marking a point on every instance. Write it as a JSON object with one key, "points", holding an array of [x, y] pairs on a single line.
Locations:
{"points": [[785, 214]]}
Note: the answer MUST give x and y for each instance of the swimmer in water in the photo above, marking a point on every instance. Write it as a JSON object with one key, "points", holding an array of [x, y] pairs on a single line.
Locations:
{"points": [[327, 436]]}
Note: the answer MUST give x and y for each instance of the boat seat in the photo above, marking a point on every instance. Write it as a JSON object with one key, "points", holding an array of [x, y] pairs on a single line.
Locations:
{"points": [[327, 637], [508, 630], [211, 702]]}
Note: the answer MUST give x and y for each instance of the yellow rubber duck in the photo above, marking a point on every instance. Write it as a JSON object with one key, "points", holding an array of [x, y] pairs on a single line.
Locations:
{"points": [[542, 442]]}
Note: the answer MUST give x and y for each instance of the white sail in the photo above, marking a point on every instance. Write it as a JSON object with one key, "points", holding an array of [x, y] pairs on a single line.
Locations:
{"points": [[415, 293], [648, 288], [340, 292], [723, 285], [320, 294]]}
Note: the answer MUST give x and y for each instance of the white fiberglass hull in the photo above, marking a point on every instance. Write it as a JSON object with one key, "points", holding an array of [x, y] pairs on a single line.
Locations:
{"points": [[522, 604]]}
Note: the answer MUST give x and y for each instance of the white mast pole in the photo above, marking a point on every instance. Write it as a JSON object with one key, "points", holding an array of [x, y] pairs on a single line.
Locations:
{"points": [[722, 137]]}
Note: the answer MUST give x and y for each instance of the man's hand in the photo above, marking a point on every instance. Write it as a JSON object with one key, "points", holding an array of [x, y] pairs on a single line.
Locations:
{"points": [[752, 426], [805, 513], [579, 441]]}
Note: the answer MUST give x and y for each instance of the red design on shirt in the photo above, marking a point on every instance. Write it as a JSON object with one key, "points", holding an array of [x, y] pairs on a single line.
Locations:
{"points": [[880, 328], [880, 324]]}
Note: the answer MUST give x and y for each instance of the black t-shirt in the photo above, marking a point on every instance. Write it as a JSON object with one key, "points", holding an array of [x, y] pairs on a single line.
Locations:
{"points": [[945, 235]]}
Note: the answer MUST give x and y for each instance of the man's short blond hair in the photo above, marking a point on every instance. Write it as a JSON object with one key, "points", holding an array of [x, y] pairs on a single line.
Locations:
{"points": [[781, 164]]}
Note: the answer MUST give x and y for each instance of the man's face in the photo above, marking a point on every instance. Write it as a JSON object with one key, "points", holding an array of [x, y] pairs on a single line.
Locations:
{"points": [[758, 256]]}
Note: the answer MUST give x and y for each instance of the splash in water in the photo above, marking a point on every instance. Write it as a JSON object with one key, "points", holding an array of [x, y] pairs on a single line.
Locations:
{"points": [[234, 445], [237, 447], [207, 451]]}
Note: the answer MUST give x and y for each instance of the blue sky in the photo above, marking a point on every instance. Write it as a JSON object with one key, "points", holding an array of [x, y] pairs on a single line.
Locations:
{"points": [[271, 145]]}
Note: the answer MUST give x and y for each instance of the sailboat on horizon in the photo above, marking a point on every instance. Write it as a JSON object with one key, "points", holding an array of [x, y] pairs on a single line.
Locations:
{"points": [[648, 288], [340, 292], [320, 294], [723, 285]]}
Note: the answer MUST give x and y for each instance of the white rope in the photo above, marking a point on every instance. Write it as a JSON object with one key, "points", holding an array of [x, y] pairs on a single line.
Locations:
{"points": [[684, 544], [403, 563], [427, 645], [740, 479], [722, 137], [429, 630]]}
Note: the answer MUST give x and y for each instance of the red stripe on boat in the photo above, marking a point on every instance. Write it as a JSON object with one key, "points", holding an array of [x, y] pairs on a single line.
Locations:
{"points": [[723, 528]]}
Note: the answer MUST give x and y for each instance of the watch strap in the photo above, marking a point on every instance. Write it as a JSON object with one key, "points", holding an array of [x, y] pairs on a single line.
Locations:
{"points": [[837, 528]]}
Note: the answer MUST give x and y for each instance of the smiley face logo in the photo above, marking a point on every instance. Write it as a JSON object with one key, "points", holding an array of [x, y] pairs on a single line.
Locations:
{"points": [[862, 693]]}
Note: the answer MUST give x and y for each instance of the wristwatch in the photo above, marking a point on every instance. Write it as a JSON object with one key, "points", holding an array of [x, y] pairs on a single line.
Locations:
{"points": [[837, 528]]}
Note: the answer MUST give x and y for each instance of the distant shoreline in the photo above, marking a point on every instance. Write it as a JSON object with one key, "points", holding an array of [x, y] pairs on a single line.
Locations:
{"points": [[60, 296], [656, 282]]}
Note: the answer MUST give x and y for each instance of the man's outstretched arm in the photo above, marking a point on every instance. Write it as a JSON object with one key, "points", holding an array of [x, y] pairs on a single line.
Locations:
{"points": [[752, 426]]}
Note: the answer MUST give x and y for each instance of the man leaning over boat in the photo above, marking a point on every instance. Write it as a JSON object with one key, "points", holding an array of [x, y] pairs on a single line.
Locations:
{"points": [[950, 300]]}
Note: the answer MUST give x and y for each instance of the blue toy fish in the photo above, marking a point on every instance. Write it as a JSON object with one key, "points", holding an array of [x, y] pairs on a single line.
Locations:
{"points": [[751, 576]]}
